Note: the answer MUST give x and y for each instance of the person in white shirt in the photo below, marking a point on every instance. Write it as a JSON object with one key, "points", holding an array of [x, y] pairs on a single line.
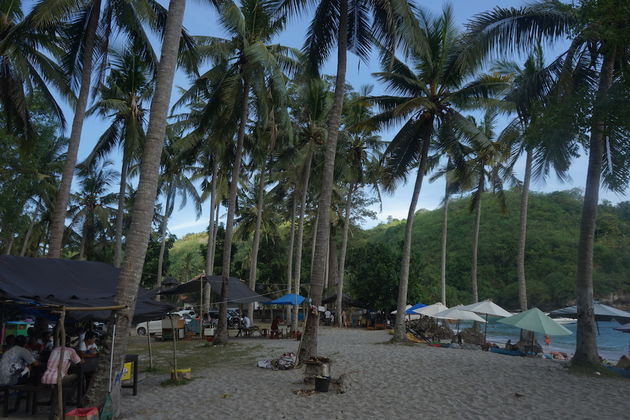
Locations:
{"points": [[87, 347], [247, 323]]}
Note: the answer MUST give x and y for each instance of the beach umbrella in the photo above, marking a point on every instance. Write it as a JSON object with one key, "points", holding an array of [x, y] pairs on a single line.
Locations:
{"points": [[486, 308], [396, 311], [535, 320], [431, 309], [602, 313], [411, 309], [288, 299], [458, 314]]}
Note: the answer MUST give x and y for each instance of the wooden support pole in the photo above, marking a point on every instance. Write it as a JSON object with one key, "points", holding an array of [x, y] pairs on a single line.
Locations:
{"points": [[175, 377], [61, 330]]}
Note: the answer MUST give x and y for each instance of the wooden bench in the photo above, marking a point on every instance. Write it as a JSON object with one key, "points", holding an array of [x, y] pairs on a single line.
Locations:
{"points": [[27, 392]]}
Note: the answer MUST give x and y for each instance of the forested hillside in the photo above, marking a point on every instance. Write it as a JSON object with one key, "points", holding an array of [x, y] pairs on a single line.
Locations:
{"points": [[374, 256], [551, 253]]}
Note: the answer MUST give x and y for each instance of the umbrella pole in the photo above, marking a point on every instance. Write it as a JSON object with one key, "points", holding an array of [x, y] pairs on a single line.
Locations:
{"points": [[485, 331], [597, 325]]}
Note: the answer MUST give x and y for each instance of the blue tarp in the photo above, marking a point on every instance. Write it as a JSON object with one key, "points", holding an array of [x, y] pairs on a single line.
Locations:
{"points": [[418, 305], [290, 299]]}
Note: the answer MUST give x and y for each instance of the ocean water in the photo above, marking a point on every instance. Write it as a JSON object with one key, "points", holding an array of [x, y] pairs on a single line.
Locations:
{"points": [[611, 344]]}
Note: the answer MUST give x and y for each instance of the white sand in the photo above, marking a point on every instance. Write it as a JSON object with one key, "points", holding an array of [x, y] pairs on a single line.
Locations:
{"points": [[389, 381]]}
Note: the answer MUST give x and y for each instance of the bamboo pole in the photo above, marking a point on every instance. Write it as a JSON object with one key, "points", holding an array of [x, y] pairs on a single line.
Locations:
{"points": [[150, 349], [62, 347], [94, 308], [175, 377], [201, 284]]}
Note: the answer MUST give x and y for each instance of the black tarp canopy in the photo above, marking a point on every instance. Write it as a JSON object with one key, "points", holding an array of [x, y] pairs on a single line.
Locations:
{"points": [[51, 281], [238, 291]]}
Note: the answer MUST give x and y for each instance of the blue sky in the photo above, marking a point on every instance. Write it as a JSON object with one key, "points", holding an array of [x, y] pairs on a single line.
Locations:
{"points": [[201, 20]]}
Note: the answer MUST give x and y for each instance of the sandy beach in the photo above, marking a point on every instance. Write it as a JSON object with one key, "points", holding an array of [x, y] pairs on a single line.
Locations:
{"points": [[386, 381]]}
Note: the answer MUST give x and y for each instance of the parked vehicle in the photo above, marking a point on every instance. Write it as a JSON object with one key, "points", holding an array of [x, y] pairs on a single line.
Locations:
{"points": [[153, 327], [233, 317]]}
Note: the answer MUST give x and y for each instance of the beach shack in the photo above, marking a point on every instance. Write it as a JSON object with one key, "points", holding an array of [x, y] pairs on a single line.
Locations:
{"points": [[64, 292]]}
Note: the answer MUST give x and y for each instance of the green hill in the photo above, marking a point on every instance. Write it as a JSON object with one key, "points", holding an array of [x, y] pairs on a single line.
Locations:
{"points": [[374, 255], [551, 253]]}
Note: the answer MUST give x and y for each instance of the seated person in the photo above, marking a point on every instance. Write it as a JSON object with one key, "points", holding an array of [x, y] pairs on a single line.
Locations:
{"points": [[87, 348], [16, 363], [9, 341], [52, 369], [244, 325], [275, 327]]}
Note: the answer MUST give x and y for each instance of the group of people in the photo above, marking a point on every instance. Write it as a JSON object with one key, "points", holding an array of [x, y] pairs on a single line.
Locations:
{"points": [[22, 356], [329, 318]]}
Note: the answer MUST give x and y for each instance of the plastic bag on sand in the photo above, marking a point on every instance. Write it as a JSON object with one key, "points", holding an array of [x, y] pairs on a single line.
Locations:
{"points": [[285, 362]]}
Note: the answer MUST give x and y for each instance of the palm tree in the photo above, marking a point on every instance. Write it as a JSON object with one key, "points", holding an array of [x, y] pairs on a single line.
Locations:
{"points": [[486, 169], [121, 98], [361, 150], [603, 46], [174, 181], [27, 68], [91, 206], [310, 117], [144, 201], [91, 24], [429, 97], [455, 151], [346, 24], [531, 85], [244, 64]]}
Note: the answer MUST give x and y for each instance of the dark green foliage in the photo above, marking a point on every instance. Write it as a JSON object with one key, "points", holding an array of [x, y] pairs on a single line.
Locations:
{"points": [[149, 272], [373, 271], [550, 260]]}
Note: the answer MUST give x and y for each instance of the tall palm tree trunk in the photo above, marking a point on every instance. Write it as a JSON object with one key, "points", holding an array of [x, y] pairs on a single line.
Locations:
{"points": [[332, 258], [308, 345], [221, 336], [475, 244], [120, 211], [586, 342], [522, 236], [253, 263], [444, 246], [163, 227], [143, 209], [313, 241], [27, 236], [300, 237], [10, 245], [291, 247], [342, 256], [63, 195], [400, 330], [212, 238]]}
